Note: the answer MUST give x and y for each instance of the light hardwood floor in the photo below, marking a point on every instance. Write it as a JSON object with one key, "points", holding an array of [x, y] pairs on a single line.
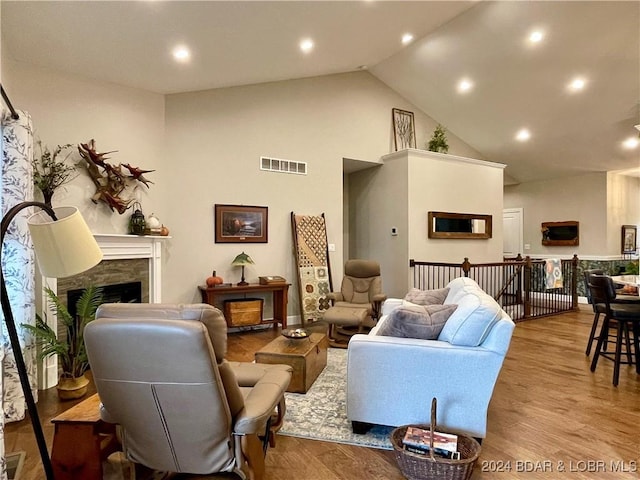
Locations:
{"points": [[549, 418]]}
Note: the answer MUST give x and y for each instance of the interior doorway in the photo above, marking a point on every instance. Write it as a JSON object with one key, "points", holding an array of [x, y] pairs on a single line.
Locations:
{"points": [[512, 221]]}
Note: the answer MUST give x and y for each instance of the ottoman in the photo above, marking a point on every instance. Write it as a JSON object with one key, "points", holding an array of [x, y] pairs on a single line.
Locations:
{"points": [[352, 320]]}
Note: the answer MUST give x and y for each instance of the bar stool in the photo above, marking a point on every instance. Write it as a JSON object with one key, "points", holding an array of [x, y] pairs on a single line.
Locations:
{"points": [[603, 293], [599, 308]]}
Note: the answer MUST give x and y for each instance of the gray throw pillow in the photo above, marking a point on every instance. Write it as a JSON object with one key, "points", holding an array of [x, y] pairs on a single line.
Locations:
{"points": [[424, 322], [427, 297]]}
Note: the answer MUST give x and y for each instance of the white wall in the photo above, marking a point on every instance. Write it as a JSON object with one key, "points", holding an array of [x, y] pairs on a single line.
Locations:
{"points": [[215, 140], [401, 193], [601, 202], [1, 47], [446, 183], [378, 201], [623, 207], [69, 109], [205, 148]]}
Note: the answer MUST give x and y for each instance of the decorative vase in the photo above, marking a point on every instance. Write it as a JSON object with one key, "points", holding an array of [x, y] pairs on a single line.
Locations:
{"points": [[70, 388]]}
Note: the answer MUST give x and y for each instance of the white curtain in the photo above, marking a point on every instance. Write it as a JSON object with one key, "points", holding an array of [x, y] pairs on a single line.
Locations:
{"points": [[16, 185]]}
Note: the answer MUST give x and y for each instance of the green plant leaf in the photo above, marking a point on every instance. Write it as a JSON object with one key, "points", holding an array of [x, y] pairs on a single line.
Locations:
{"points": [[57, 306], [71, 351]]}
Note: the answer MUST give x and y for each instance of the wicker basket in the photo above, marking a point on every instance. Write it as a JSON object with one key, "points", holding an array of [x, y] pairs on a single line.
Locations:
{"points": [[415, 466]]}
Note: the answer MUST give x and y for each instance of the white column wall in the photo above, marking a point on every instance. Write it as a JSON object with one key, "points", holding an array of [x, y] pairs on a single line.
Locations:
{"points": [[447, 183], [401, 193]]}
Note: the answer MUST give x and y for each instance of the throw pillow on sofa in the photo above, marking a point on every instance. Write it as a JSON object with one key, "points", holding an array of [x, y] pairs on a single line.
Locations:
{"points": [[427, 297], [417, 321], [476, 314]]}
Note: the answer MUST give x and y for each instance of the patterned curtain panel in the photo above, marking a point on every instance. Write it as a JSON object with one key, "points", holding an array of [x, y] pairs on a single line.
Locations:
{"points": [[18, 265], [314, 276]]}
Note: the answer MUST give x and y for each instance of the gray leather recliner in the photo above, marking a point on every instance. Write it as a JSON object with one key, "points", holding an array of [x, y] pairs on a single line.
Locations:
{"points": [[162, 377], [357, 304]]}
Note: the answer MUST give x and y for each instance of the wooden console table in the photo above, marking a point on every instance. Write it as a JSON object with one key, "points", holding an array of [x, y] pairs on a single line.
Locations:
{"points": [[279, 292]]}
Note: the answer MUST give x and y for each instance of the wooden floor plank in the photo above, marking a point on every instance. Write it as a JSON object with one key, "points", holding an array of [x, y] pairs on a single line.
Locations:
{"points": [[549, 412]]}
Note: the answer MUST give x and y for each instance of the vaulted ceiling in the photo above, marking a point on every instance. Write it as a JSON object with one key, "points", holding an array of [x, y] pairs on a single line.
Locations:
{"points": [[513, 83]]}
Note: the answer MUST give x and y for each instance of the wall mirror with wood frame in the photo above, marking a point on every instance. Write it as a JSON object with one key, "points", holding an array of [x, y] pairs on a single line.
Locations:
{"points": [[560, 233], [459, 225]]}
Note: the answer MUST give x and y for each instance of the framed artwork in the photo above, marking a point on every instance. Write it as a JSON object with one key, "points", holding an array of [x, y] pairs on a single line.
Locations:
{"points": [[241, 224], [404, 130], [629, 238], [560, 233]]}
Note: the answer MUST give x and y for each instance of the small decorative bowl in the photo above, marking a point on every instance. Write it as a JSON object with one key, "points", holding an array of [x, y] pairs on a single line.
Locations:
{"points": [[296, 333]]}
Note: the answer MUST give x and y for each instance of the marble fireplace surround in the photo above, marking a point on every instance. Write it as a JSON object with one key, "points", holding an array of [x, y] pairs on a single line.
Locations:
{"points": [[126, 258]]}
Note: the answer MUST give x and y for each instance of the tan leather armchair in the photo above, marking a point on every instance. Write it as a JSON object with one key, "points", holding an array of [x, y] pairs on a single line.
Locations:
{"points": [[162, 377], [357, 305]]}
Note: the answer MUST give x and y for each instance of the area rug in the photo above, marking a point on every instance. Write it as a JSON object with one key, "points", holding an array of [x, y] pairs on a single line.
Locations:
{"points": [[321, 413]]}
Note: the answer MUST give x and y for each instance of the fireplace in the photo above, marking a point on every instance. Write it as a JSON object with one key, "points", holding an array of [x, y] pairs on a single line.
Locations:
{"points": [[107, 273], [130, 292], [126, 259]]}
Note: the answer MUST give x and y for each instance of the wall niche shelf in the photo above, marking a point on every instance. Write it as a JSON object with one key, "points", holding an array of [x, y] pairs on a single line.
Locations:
{"points": [[561, 234], [459, 225]]}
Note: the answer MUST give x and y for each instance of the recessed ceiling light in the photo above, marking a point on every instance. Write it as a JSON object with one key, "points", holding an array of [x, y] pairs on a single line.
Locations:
{"points": [[523, 135], [407, 38], [465, 85], [631, 143], [181, 53], [536, 36], [306, 45], [577, 84]]}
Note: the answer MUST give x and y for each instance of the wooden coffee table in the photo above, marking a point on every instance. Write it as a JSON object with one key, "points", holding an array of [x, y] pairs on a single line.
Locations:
{"points": [[307, 357]]}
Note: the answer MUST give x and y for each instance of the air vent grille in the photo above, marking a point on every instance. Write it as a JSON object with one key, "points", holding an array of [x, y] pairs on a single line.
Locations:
{"points": [[283, 166]]}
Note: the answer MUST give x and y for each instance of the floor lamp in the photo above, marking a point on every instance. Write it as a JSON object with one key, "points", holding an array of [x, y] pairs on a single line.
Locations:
{"points": [[64, 246]]}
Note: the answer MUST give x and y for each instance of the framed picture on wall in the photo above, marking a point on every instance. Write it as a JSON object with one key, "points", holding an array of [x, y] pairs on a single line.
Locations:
{"points": [[404, 130], [629, 238], [241, 224]]}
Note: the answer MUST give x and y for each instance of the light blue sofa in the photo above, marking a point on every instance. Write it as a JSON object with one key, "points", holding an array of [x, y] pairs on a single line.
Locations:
{"points": [[391, 381]]}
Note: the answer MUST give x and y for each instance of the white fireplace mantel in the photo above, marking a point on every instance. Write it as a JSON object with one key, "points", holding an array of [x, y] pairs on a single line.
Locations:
{"points": [[122, 247]]}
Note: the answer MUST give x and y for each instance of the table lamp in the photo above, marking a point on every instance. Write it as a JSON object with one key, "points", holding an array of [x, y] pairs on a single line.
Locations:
{"points": [[64, 246], [240, 261]]}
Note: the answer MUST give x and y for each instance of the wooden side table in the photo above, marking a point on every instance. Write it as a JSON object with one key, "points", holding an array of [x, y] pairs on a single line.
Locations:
{"points": [[279, 293], [81, 441]]}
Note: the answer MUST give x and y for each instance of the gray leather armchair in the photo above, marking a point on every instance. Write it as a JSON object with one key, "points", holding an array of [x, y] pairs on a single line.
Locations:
{"points": [[357, 304], [162, 377]]}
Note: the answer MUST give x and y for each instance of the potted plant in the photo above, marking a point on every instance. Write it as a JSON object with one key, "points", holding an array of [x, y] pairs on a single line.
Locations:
{"points": [[71, 351], [438, 142], [50, 172]]}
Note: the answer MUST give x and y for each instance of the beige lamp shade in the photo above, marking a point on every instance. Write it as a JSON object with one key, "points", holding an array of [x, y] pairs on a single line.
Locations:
{"points": [[63, 247]]}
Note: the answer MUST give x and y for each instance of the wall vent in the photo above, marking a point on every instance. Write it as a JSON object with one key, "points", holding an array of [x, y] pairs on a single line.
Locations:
{"points": [[283, 166]]}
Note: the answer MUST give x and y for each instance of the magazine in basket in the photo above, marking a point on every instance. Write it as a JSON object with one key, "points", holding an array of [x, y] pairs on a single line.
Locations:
{"points": [[444, 444]]}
